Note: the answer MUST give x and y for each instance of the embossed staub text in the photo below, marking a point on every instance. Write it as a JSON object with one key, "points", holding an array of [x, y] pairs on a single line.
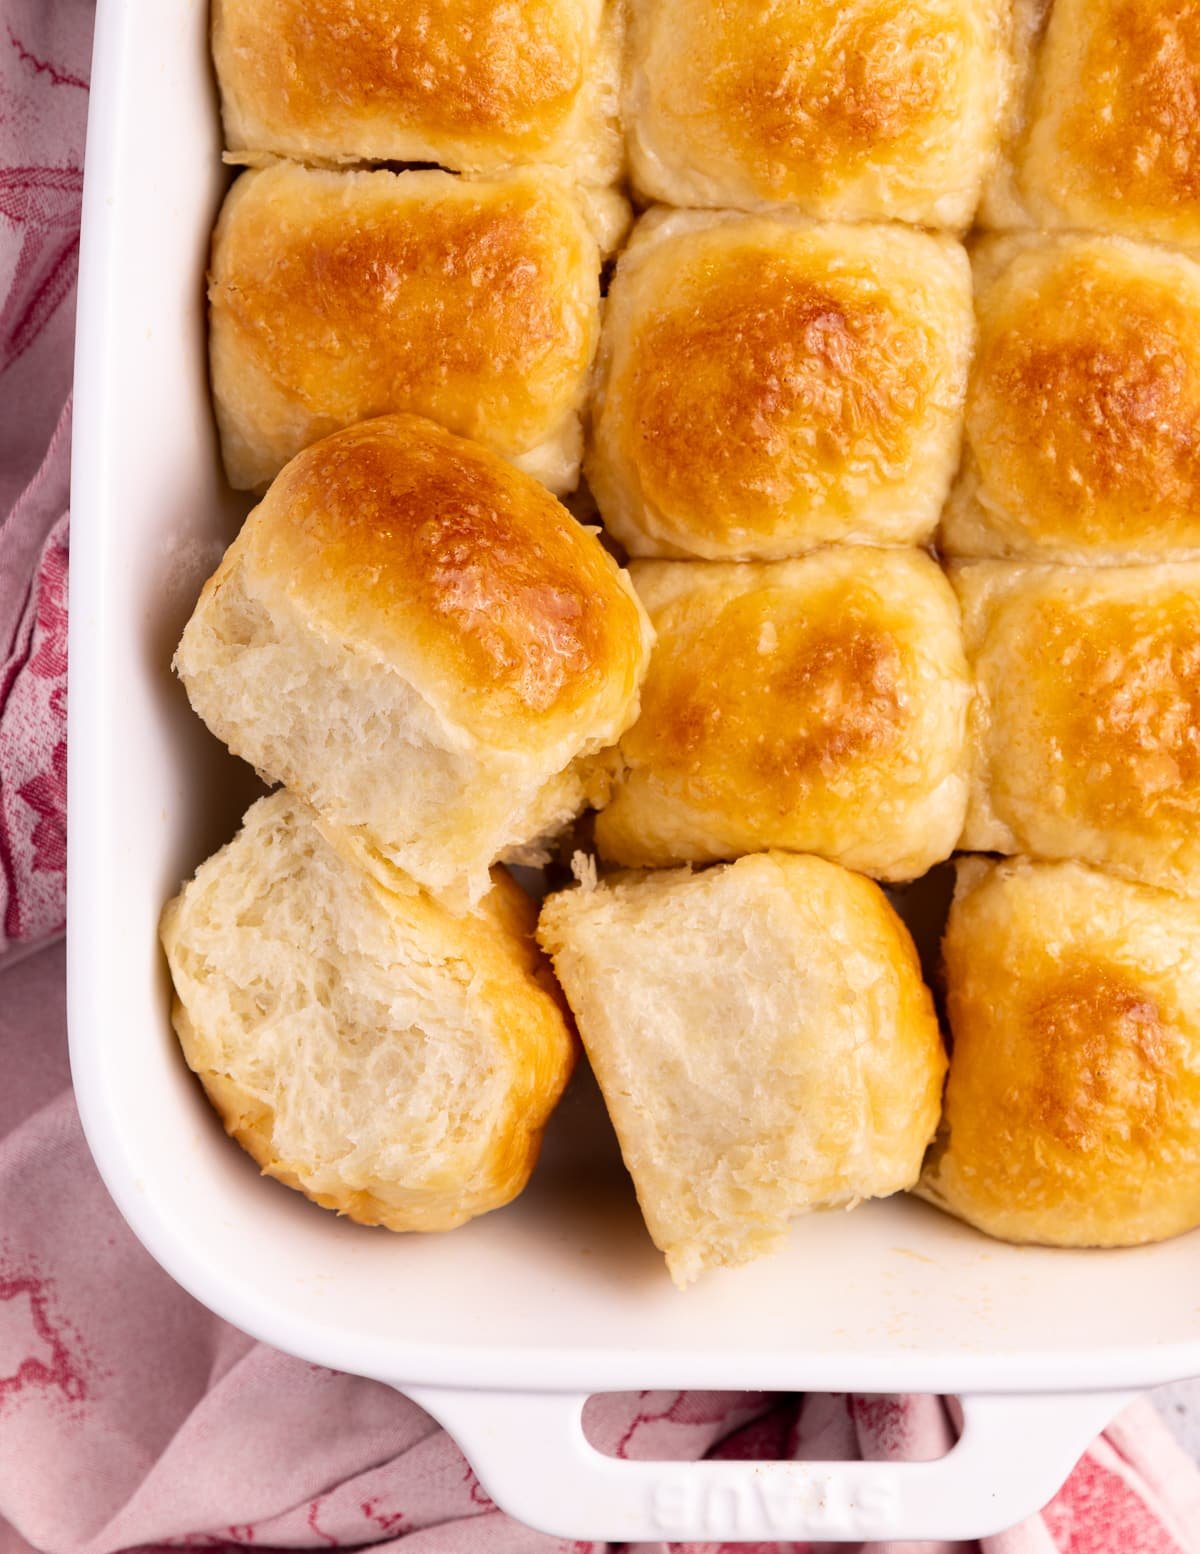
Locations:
{"points": [[787, 1500]]}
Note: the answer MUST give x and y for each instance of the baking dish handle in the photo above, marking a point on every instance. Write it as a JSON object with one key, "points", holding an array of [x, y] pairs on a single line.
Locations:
{"points": [[529, 1452]]}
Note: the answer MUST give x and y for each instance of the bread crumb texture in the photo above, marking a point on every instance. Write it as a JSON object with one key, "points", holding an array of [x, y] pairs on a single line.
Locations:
{"points": [[763, 1040], [387, 1059]]}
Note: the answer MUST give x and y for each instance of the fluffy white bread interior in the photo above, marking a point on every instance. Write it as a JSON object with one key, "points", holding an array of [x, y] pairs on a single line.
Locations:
{"points": [[424, 644], [767, 384], [763, 1039], [1072, 1111], [389, 1060], [473, 86]]}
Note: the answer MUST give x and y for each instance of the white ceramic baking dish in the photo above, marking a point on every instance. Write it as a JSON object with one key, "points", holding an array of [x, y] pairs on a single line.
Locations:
{"points": [[500, 1329]]}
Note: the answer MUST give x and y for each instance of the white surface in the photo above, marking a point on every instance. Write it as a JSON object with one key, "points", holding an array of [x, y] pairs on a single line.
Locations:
{"points": [[562, 1291]]}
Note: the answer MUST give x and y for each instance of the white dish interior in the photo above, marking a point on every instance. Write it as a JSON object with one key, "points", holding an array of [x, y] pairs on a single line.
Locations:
{"points": [[563, 1289]]}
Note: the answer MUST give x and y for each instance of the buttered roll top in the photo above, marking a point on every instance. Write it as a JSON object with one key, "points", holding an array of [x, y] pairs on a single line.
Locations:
{"points": [[817, 705], [863, 109], [1085, 726], [1072, 1112], [469, 84], [1103, 133], [767, 384], [1083, 414], [335, 297]]}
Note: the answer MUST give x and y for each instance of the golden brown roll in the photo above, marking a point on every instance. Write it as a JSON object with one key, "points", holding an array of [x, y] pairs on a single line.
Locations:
{"points": [[1072, 1114], [816, 705], [1083, 415], [1103, 130], [420, 641], [1085, 726], [391, 1061], [763, 1040], [469, 84], [857, 109], [765, 385], [335, 297]]}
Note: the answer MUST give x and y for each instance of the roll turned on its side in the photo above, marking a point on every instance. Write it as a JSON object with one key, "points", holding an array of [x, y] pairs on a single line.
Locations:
{"points": [[763, 1040], [388, 1059], [419, 640]]}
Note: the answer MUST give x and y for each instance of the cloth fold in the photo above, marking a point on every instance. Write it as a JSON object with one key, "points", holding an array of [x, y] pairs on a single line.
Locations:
{"points": [[130, 1417]]}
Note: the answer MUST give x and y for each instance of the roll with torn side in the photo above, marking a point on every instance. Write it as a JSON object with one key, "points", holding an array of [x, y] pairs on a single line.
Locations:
{"points": [[817, 705], [763, 1040], [1085, 725], [1072, 1114], [387, 1059], [338, 296], [1101, 135], [1083, 413], [849, 109], [420, 641], [473, 86], [767, 384]]}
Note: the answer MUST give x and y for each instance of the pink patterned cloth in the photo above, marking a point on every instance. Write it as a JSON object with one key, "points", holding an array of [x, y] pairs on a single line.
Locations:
{"points": [[43, 101], [130, 1418]]}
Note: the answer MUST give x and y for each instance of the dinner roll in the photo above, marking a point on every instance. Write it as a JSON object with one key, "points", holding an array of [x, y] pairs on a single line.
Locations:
{"points": [[424, 644], [390, 1061], [816, 705], [766, 385], [339, 296], [1103, 130], [1073, 1103], [1083, 417], [469, 84], [857, 109], [763, 1040], [1085, 727]]}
